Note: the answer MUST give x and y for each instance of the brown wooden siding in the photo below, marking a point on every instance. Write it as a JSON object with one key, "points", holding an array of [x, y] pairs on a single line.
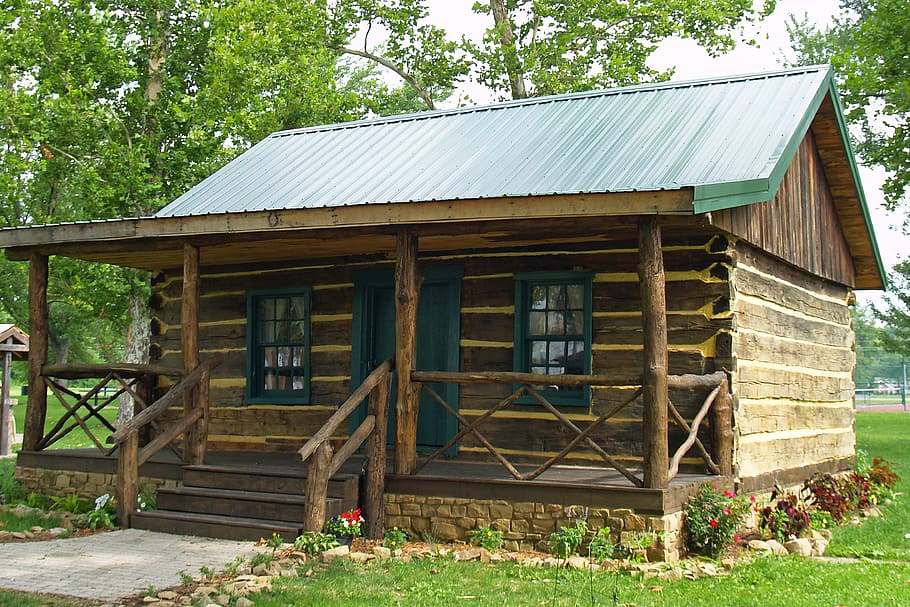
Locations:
{"points": [[699, 323], [793, 379], [800, 224]]}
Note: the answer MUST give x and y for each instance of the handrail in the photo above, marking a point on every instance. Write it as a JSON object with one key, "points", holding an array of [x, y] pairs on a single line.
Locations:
{"points": [[87, 370], [130, 457], [161, 405], [324, 462], [345, 410]]}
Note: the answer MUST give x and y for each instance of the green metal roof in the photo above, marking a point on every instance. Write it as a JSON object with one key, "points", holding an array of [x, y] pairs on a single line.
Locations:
{"points": [[728, 138]]}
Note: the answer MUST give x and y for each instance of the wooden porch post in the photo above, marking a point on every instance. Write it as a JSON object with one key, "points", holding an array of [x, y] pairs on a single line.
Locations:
{"points": [[5, 412], [406, 293], [654, 326], [722, 429], [194, 450], [374, 506], [37, 355]]}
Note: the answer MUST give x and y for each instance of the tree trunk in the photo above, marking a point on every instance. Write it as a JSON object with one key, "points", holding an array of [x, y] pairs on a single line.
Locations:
{"points": [[507, 46], [61, 354], [136, 347]]}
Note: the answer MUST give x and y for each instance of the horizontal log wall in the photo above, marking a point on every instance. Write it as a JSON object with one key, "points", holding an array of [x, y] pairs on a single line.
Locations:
{"points": [[793, 378], [222, 329], [699, 323]]}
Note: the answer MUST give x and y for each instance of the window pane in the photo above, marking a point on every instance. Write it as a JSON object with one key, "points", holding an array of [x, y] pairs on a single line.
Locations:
{"points": [[297, 332], [298, 382], [538, 352], [537, 323], [284, 357], [269, 357], [266, 309], [555, 323], [267, 332], [269, 380], [281, 332], [297, 309], [538, 298], [298, 357], [539, 370], [576, 323], [556, 298], [576, 296], [281, 308]]}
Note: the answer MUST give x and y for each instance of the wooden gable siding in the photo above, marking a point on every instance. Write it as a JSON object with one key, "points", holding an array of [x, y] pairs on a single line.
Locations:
{"points": [[699, 324], [793, 379], [800, 224]]}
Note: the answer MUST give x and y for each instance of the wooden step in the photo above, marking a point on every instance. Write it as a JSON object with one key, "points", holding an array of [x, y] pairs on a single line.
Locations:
{"points": [[283, 480], [213, 525], [232, 502]]}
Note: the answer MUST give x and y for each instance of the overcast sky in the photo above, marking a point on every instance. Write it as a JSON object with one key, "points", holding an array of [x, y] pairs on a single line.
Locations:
{"points": [[691, 61]]}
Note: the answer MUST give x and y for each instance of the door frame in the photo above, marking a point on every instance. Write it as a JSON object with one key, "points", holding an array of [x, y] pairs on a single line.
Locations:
{"points": [[365, 283]]}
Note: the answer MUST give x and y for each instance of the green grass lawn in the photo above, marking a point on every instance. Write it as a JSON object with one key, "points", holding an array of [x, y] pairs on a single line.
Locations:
{"points": [[886, 435], [77, 439]]}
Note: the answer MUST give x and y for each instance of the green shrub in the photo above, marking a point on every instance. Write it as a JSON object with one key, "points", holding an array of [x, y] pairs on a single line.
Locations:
{"points": [[489, 539], [394, 538], [314, 542], [565, 542], [711, 518], [601, 546]]}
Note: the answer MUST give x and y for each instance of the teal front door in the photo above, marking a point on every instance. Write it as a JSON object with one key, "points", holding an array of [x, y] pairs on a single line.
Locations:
{"points": [[438, 330]]}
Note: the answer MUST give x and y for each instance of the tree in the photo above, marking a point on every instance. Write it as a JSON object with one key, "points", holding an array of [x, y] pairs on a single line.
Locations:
{"points": [[536, 47], [897, 315], [111, 109], [867, 45]]}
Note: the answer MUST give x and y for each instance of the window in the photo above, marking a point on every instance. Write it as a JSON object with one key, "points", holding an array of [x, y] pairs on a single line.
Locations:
{"points": [[553, 330], [278, 346]]}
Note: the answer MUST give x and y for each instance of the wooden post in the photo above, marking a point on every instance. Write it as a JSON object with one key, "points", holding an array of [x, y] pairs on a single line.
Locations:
{"points": [[654, 326], [127, 479], [407, 402], [722, 430], [37, 354], [374, 507], [5, 414], [317, 487], [194, 449]]}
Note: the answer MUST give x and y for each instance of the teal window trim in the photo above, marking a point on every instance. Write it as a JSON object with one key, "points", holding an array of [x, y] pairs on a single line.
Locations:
{"points": [[524, 283], [256, 343]]}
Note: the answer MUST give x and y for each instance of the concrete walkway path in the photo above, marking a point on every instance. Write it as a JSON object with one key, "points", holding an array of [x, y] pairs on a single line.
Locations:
{"points": [[111, 565]]}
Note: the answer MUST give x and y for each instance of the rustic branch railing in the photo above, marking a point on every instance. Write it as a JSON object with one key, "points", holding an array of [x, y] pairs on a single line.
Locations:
{"points": [[717, 402], [721, 422], [526, 382], [130, 457], [325, 462], [133, 379]]}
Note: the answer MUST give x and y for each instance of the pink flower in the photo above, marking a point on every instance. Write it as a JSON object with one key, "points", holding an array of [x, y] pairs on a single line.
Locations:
{"points": [[728, 493], [752, 498], [713, 523], [727, 511]]}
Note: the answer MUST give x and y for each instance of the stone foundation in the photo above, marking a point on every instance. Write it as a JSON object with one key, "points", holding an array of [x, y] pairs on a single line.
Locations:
{"points": [[526, 525], [87, 485]]}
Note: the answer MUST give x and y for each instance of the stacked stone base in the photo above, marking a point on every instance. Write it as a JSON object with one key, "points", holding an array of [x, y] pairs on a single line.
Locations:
{"points": [[87, 485], [527, 525]]}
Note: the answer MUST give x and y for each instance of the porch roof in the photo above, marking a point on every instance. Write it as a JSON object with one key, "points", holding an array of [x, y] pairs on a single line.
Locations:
{"points": [[672, 148]]}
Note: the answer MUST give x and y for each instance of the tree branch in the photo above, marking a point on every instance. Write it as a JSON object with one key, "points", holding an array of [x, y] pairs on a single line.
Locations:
{"points": [[427, 99]]}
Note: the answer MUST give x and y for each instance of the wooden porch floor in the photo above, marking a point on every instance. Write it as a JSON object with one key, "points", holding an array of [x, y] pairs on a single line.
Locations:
{"points": [[567, 485]]}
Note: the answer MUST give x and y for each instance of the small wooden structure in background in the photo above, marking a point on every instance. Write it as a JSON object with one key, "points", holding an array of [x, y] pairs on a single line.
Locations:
{"points": [[13, 344]]}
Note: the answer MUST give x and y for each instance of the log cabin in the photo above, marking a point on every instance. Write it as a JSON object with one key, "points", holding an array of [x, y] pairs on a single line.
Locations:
{"points": [[485, 316]]}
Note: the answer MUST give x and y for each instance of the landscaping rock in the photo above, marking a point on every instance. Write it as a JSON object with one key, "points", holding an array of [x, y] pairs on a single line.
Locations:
{"points": [[205, 591], [759, 546], [261, 569], [243, 602], [361, 557], [335, 553], [57, 531], [577, 562], [800, 546], [819, 546], [777, 548], [382, 553], [167, 595], [672, 575]]}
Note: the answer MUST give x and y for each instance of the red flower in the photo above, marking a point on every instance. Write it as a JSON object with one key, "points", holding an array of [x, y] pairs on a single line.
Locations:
{"points": [[713, 523], [728, 493], [735, 539], [752, 498]]}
